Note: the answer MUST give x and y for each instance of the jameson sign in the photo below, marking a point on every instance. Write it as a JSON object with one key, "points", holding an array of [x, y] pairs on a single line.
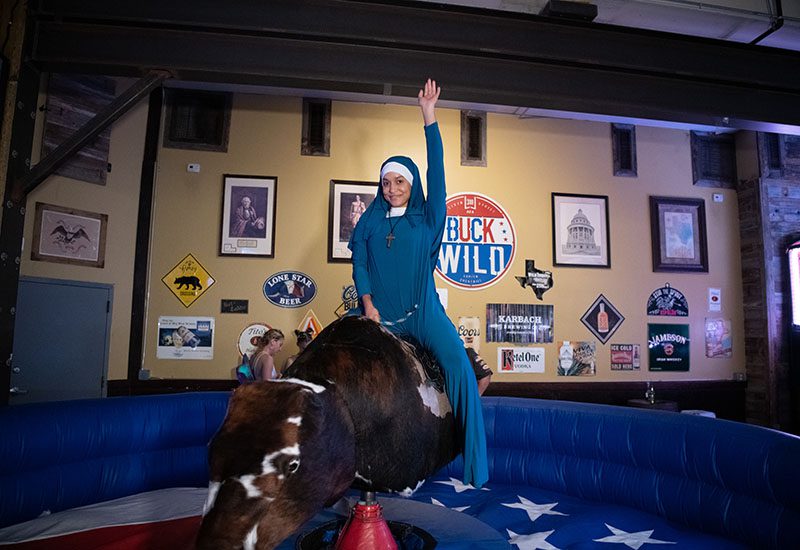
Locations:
{"points": [[668, 347], [519, 323]]}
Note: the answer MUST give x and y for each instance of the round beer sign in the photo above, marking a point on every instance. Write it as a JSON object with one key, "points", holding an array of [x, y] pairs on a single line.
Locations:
{"points": [[479, 242]]}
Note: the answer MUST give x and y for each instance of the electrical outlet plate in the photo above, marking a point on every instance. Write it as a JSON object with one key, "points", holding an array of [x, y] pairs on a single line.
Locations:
{"points": [[718, 197], [193, 167]]}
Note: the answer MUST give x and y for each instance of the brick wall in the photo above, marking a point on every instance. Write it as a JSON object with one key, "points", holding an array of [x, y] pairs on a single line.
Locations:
{"points": [[769, 220]]}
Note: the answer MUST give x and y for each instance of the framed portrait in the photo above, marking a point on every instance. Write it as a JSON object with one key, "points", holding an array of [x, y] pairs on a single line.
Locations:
{"points": [[248, 216], [348, 201], [678, 233], [580, 230], [69, 236]]}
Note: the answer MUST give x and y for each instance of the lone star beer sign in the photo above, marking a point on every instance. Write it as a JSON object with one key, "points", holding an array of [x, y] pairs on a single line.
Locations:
{"points": [[479, 242]]}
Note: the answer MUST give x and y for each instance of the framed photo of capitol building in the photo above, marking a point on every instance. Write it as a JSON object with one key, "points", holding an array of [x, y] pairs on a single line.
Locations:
{"points": [[580, 230]]}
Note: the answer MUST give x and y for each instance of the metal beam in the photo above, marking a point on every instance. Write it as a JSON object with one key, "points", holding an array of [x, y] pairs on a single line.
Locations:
{"points": [[13, 216], [483, 56], [86, 133], [143, 223], [447, 28]]}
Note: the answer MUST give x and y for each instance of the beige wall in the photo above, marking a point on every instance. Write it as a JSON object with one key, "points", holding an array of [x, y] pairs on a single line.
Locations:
{"points": [[527, 160], [119, 199]]}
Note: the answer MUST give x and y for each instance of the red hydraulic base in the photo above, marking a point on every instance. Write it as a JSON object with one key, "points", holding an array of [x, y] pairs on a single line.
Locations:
{"points": [[366, 529]]}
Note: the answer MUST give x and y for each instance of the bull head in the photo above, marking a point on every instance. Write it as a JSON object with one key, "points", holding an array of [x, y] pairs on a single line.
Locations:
{"points": [[281, 455]]}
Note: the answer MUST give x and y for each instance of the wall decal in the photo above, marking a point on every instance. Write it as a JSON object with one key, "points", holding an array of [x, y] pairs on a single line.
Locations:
{"points": [[538, 280], [602, 319]]}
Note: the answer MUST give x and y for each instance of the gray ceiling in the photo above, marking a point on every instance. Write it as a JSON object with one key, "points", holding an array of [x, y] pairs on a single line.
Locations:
{"points": [[734, 20]]}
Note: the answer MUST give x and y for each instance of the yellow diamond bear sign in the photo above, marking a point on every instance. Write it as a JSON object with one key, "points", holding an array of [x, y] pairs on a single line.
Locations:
{"points": [[188, 280]]}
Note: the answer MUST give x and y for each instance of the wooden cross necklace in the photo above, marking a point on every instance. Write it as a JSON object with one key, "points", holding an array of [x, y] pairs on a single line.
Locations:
{"points": [[390, 237]]}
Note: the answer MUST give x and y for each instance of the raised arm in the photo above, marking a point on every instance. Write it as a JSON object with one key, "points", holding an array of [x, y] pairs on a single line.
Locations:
{"points": [[436, 211]]}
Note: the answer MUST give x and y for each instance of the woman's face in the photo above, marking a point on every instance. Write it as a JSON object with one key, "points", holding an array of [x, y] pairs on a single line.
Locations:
{"points": [[396, 189], [274, 346]]}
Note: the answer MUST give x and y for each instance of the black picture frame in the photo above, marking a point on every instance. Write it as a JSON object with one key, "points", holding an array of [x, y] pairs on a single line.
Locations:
{"points": [[592, 248], [678, 234], [251, 233], [343, 214]]}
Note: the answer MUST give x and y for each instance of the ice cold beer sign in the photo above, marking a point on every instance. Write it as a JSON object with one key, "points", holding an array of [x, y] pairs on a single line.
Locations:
{"points": [[479, 242]]}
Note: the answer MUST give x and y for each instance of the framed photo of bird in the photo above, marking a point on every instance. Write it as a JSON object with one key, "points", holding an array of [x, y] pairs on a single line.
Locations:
{"points": [[69, 236]]}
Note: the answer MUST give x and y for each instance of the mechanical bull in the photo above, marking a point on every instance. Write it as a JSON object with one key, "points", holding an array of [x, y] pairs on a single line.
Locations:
{"points": [[356, 408]]}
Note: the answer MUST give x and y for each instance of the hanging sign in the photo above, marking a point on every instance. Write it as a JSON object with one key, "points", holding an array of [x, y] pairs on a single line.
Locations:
{"points": [[602, 319], [718, 338], [290, 289], [714, 299], [667, 301], [188, 280], [668, 347], [248, 339], [520, 360], [479, 242], [310, 323], [519, 323], [469, 330], [234, 306], [349, 301], [576, 359], [185, 338], [539, 281], [625, 357]]}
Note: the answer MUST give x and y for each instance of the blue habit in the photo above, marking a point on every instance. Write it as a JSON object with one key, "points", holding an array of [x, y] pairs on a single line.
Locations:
{"points": [[398, 274]]}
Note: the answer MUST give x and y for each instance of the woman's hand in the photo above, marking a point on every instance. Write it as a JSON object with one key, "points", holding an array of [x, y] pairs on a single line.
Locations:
{"points": [[370, 311], [427, 98]]}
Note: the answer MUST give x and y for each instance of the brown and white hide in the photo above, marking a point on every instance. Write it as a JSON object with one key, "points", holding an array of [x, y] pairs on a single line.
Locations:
{"points": [[370, 417], [284, 451]]}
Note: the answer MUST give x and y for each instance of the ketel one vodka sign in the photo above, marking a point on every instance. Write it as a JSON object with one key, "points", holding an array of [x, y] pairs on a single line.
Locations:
{"points": [[479, 242]]}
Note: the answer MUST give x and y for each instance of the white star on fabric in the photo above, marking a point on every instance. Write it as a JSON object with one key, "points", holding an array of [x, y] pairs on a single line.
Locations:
{"points": [[456, 508], [534, 511], [631, 540], [459, 486], [535, 541]]}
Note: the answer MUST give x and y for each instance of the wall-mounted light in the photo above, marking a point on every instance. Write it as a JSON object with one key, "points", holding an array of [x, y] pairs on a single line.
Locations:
{"points": [[794, 277]]}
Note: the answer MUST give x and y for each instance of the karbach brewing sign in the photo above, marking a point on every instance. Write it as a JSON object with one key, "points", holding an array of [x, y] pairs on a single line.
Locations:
{"points": [[479, 242]]}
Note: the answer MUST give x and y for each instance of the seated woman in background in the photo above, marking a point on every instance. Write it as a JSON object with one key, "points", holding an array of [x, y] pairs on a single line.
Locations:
{"points": [[263, 361]]}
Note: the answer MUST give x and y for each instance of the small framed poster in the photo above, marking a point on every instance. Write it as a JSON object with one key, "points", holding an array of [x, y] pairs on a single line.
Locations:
{"points": [[347, 202], [69, 236], [678, 234], [580, 230], [248, 216]]}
